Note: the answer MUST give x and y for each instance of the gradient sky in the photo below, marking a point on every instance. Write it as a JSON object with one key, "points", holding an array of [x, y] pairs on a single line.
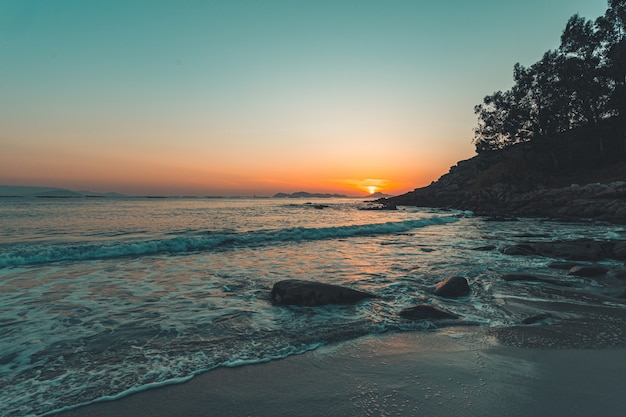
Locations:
{"points": [[255, 97]]}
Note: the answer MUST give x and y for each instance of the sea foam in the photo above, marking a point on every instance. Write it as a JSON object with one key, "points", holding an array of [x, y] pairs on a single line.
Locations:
{"points": [[201, 241]]}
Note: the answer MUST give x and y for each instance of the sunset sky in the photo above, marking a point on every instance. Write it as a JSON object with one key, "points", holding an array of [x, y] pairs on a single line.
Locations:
{"points": [[255, 97]]}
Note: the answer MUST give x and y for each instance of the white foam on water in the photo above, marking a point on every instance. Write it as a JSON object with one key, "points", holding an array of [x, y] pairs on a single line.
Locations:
{"points": [[36, 254]]}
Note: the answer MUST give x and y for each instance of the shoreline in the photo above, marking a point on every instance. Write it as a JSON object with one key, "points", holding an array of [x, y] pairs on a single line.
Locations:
{"points": [[449, 372]]}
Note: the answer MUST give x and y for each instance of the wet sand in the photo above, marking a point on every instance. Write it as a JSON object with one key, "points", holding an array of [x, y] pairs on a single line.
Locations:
{"points": [[450, 372]]}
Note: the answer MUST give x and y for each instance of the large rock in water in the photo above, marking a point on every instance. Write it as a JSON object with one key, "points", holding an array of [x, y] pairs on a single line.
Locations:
{"points": [[578, 250], [425, 312], [452, 287], [312, 294]]}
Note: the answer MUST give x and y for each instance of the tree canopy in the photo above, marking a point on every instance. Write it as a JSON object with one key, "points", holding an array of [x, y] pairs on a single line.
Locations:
{"points": [[580, 83]]}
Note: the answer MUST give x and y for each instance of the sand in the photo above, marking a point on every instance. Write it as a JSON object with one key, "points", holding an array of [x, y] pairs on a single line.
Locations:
{"points": [[451, 372]]}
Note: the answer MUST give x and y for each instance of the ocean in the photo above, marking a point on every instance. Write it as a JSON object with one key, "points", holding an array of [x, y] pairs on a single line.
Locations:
{"points": [[104, 297]]}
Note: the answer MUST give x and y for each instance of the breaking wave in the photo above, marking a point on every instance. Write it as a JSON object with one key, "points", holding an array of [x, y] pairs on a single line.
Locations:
{"points": [[201, 241]]}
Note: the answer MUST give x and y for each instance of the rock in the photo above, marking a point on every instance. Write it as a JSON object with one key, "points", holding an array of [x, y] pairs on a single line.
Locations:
{"points": [[452, 287], [485, 248], [563, 265], [312, 294], [536, 318], [501, 219], [575, 250], [588, 270], [579, 250], [425, 312], [536, 278]]}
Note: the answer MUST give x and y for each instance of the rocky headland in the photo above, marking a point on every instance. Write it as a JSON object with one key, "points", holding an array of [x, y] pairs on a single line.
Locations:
{"points": [[579, 174]]}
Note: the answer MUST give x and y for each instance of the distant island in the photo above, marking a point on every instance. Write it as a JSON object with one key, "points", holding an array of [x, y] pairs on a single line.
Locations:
{"points": [[378, 195], [54, 192], [49, 192], [303, 194]]}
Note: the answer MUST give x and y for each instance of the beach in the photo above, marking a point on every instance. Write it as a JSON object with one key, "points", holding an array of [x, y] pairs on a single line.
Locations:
{"points": [[450, 372], [105, 312]]}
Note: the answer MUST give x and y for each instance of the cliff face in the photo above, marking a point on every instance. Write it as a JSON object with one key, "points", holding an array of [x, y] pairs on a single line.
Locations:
{"points": [[578, 174]]}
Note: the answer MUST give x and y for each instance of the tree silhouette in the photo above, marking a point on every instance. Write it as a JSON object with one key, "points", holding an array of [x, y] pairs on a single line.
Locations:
{"points": [[612, 30], [579, 84]]}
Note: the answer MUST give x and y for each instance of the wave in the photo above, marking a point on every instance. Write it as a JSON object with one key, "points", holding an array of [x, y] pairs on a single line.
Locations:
{"points": [[39, 254]]}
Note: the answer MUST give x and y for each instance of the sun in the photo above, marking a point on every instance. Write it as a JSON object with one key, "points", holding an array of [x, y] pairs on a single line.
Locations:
{"points": [[371, 189]]}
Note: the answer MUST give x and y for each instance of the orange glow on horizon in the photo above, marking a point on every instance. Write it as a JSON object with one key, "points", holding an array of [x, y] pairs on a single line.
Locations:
{"points": [[179, 173], [372, 185]]}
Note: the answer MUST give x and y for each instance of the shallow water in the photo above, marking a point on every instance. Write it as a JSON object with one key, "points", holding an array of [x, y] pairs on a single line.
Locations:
{"points": [[103, 297]]}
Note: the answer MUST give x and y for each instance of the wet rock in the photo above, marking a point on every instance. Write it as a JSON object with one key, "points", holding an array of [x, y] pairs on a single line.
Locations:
{"points": [[425, 312], [382, 205], [588, 270], [501, 219], [452, 287], [536, 278], [563, 265], [485, 248], [574, 250], [537, 318], [312, 294]]}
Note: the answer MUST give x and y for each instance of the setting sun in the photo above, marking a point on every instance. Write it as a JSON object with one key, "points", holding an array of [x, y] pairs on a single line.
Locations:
{"points": [[371, 189]]}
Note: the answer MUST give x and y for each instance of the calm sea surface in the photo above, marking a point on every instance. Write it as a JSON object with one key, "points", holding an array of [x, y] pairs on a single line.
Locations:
{"points": [[103, 297]]}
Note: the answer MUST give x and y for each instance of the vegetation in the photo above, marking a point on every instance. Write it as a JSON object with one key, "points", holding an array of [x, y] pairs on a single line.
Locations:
{"points": [[581, 83]]}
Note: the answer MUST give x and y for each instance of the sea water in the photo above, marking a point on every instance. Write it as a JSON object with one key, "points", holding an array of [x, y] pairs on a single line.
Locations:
{"points": [[102, 297]]}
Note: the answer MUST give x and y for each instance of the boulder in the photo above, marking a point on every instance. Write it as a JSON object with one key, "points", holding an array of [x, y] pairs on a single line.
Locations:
{"points": [[452, 287], [425, 312], [312, 294]]}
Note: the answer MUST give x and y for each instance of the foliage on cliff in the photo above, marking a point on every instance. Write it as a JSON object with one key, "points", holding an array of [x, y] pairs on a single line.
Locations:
{"points": [[579, 84]]}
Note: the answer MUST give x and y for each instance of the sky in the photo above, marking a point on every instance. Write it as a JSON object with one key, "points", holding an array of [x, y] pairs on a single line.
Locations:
{"points": [[256, 97]]}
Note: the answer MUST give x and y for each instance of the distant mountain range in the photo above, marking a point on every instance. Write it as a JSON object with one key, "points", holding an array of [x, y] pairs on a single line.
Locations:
{"points": [[50, 192], [303, 194]]}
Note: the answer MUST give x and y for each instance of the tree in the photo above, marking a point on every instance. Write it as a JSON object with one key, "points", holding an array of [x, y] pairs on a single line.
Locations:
{"points": [[578, 84], [612, 33], [493, 132], [580, 71]]}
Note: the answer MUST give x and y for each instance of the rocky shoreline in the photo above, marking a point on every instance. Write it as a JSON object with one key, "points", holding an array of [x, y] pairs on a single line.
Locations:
{"points": [[526, 181], [577, 301], [595, 201]]}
